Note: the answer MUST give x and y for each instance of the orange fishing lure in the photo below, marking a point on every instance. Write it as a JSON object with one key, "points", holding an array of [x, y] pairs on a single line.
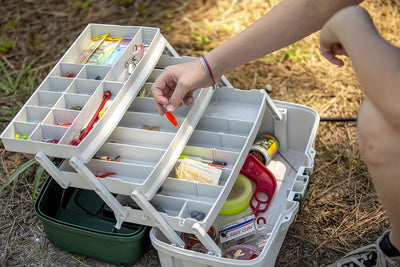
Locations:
{"points": [[171, 118]]}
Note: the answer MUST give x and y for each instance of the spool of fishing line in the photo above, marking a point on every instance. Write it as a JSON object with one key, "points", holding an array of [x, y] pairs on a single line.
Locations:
{"points": [[239, 197]]}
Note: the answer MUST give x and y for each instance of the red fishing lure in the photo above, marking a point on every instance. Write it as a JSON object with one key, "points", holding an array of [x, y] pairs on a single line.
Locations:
{"points": [[171, 118]]}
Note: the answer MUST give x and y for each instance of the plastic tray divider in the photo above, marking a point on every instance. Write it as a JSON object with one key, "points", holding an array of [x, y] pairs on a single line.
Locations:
{"points": [[139, 137], [280, 130]]}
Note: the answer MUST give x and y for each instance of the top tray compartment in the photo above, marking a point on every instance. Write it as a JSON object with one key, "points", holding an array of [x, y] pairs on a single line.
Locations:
{"points": [[67, 100]]}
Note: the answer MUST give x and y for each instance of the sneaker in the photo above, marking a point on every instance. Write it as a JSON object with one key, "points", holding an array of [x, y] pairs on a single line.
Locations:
{"points": [[368, 256]]}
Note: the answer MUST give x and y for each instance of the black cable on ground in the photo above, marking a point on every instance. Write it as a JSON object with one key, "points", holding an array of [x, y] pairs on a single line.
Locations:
{"points": [[338, 119]]}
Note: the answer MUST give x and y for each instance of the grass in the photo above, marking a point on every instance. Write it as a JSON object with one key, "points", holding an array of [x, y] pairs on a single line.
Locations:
{"points": [[19, 87], [19, 171]]}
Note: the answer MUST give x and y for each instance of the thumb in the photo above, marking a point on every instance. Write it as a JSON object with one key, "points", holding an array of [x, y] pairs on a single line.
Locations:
{"points": [[177, 96]]}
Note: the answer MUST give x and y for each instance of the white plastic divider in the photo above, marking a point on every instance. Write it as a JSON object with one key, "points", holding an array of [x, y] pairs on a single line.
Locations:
{"points": [[44, 99], [32, 114], [83, 87], [72, 101], [93, 72], [219, 140], [69, 70], [131, 154], [141, 137], [54, 84]]}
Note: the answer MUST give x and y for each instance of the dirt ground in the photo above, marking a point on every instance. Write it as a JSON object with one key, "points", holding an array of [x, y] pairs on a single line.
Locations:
{"points": [[341, 212]]}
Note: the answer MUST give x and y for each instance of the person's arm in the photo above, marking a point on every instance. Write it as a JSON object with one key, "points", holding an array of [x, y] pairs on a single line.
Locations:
{"points": [[376, 62], [287, 22]]}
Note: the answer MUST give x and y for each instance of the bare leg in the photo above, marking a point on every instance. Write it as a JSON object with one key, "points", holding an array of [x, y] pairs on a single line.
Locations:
{"points": [[379, 144]]}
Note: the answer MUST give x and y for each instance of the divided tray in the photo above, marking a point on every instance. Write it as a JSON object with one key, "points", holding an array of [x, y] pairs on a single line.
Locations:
{"points": [[72, 92], [225, 132]]}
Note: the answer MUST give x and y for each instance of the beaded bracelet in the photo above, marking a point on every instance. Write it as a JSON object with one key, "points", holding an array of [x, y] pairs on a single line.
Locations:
{"points": [[207, 69]]}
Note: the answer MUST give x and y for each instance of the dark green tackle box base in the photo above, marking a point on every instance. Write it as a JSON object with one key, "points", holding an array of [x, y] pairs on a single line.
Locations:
{"points": [[79, 221]]}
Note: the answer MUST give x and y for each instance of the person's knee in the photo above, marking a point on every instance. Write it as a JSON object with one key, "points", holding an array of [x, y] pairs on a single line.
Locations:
{"points": [[374, 134]]}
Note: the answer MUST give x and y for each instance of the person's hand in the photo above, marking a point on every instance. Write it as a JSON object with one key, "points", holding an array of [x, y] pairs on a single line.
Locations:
{"points": [[177, 83], [330, 45], [341, 29]]}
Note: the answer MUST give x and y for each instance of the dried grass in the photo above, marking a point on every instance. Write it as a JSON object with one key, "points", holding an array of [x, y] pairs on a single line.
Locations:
{"points": [[341, 212]]}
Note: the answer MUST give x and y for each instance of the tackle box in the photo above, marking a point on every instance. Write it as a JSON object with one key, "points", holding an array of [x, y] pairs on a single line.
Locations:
{"points": [[291, 166], [221, 125], [79, 221]]}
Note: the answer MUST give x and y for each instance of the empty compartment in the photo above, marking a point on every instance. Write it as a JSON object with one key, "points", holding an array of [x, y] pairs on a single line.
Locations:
{"points": [[55, 84], [92, 72], [171, 206], [228, 126], [138, 120], [235, 104], [166, 60], [83, 87], [194, 207], [140, 137], [19, 130], [217, 141], [119, 176], [72, 102], [219, 157], [66, 70], [130, 154], [189, 190], [43, 99], [61, 117], [48, 134], [32, 114], [146, 105], [148, 34], [154, 75]]}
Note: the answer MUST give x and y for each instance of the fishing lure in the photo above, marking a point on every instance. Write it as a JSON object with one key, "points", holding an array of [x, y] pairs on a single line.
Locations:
{"points": [[171, 118]]}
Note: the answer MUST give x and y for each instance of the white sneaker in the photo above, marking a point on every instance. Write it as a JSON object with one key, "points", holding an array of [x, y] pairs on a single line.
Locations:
{"points": [[368, 256]]}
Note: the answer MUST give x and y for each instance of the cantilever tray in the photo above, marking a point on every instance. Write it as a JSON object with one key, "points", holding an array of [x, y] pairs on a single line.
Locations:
{"points": [[225, 132], [41, 119]]}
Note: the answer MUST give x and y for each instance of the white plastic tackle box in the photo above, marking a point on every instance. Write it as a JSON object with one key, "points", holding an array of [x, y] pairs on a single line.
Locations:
{"points": [[220, 125]]}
